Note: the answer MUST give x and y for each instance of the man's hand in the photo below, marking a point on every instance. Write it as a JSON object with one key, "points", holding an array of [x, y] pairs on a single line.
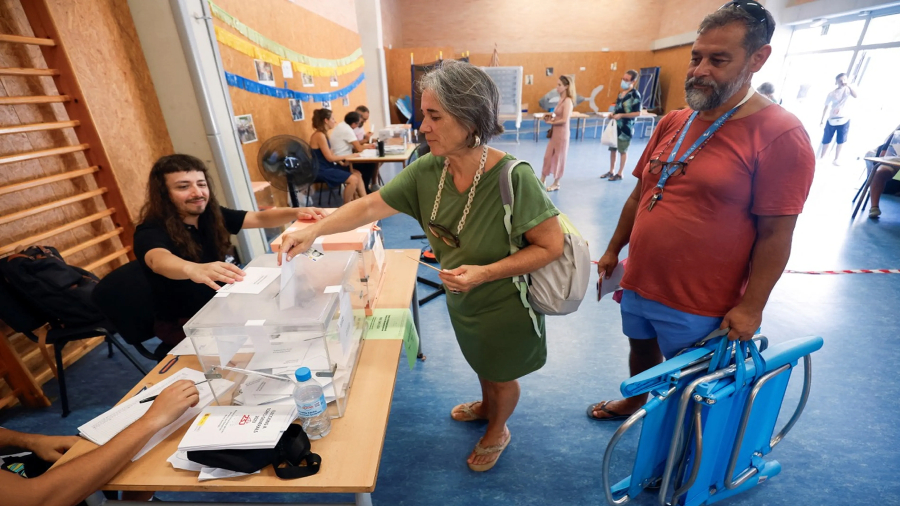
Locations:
{"points": [[616, 116], [310, 214], [607, 263], [743, 320], [464, 277], [295, 243], [208, 274], [51, 448], [171, 403]]}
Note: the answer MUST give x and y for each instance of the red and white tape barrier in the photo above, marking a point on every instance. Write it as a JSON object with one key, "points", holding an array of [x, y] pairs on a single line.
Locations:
{"points": [[847, 271]]}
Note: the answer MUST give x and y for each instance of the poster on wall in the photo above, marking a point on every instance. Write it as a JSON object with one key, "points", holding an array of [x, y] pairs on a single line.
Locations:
{"points": [[264, 72], [245, 128], [296, 109], [549, 71], [287, 70], [307, 80], [333, 82], [529, 79], [345, 101], [326, 105]]}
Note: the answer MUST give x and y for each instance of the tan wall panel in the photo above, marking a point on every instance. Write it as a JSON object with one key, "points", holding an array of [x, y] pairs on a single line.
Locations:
{"points": [[528, 27], [399, 74], [680, 17], [673, 63], [308, 34], [106, 55], [391, 24]]}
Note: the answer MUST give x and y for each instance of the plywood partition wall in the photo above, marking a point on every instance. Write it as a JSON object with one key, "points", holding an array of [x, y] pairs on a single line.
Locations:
{"points": [[399, 77], [673, 63], [304, 32]]}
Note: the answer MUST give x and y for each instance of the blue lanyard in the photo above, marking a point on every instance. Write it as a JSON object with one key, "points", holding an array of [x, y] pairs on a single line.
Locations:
{"points": [[665, 173]]}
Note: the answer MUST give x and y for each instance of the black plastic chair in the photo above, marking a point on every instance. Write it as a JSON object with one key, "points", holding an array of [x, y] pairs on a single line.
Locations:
{"points": [[126, 298], [23, 317]]}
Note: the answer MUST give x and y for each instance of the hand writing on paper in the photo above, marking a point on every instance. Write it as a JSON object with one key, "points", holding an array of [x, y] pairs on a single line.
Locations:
{"points": [[743, 320], [607, 263], [171, 403], [208, 274], [464, 278]]}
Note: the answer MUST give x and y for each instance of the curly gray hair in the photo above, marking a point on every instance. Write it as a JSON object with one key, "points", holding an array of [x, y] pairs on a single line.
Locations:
{"points": [[468, 94]]}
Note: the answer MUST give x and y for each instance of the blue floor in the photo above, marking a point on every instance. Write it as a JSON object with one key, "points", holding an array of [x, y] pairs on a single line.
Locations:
{"points": [[844, 450]]}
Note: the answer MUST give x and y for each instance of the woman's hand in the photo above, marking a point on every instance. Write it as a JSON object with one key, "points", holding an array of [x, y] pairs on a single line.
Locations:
{"points": [[464, 278], [310, 214], [295, 243]]}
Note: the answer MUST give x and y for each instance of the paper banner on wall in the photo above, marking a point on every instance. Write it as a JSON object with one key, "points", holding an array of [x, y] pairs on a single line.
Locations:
{"points": [[261, 89], [282, 51]]}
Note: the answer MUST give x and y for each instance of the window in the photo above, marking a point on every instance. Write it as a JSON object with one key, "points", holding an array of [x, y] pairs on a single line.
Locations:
{"points": [[883, 29], [828, 36]]}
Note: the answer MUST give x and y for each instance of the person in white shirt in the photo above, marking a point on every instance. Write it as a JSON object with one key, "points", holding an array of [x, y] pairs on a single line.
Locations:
{"points": [[836, 113], [344, 141], [361, 134]]}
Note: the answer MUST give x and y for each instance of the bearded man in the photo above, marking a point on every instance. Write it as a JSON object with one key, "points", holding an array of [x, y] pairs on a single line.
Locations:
{"points": [[710, 222], [183, 239]]}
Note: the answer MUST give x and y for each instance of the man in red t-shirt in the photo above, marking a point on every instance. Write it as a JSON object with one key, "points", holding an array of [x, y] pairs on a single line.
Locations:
{"points": [[732, 203]]}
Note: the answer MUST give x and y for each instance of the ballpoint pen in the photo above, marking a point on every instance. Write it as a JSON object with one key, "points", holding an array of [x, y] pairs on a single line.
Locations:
{"points": [[148, 399]]}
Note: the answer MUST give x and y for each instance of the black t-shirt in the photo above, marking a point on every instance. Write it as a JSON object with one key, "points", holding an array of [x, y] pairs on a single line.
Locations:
{"points": [[175, 299]]}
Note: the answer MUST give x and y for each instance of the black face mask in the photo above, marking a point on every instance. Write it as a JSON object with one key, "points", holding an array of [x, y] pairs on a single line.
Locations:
{"points": [[293, 448]]}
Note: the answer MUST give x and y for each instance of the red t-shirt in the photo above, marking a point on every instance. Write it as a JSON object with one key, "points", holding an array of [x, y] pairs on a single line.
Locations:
{"points": [[692, 251]]}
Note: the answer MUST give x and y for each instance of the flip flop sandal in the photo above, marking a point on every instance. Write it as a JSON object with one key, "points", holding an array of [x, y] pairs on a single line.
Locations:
{"points": [[608, 174], [467, 413], [613, 416], [489, 450]]}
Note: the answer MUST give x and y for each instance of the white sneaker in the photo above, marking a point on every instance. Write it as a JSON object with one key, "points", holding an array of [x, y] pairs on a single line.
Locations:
{"points": [[836, 163], [874, 213]]}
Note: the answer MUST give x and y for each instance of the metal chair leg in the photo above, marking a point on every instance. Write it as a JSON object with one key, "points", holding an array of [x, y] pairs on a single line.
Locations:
{"points": [[63, 394]]}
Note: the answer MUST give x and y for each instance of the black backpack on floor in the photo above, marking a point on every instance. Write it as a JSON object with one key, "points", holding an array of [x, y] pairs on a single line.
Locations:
{"points": [[61, 292]]}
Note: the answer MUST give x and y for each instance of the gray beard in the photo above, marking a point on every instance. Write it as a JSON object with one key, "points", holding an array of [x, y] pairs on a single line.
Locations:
{"points": [[718, 94]]}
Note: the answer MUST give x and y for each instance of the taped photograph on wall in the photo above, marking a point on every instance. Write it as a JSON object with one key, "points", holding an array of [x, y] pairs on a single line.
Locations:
{"points": [[333, 82], [245, 128], [307, 80], [296, 109], [345, 101], [264, 72], [326, 105]]}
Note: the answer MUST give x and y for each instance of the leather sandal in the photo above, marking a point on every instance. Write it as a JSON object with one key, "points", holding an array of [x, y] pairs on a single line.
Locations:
{"points": [[465, 413], [608, 174], [490, 450]]}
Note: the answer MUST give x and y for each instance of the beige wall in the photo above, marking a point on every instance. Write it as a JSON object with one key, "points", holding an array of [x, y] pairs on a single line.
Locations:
{"points": [[530, 26], [391, 28], [339, 12], [678, 17]]}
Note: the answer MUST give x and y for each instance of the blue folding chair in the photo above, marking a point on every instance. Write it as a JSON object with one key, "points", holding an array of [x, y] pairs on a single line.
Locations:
{"points": [[710, 420]]}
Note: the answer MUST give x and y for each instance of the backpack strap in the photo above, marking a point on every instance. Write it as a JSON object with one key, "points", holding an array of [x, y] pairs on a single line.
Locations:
{"points": [[507, 196]]}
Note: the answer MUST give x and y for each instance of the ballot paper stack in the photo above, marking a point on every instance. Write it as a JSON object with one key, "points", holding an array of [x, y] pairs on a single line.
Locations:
{"points": [[259, 331], [103, 428], [238, 428]]}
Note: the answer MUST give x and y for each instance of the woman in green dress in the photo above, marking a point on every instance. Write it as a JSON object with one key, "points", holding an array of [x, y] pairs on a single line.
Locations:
{"points": [[454, 193]]}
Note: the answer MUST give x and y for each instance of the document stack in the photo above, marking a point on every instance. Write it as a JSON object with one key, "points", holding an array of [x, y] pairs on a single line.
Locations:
{"points": [[366, 241], [257, 332], [238, 428]]}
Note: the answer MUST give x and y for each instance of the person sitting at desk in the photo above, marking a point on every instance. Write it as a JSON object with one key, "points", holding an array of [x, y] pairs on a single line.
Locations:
{"points": [[184, 236], [345, 142], [454, 194], [75, 480], [361, 134], [883, 172], [331, 166]]}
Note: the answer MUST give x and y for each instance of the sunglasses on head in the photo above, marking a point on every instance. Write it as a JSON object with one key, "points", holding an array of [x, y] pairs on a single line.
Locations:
{"points": [[756, 11]]}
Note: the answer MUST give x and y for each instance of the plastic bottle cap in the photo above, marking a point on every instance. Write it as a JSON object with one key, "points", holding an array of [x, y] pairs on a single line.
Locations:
{"points": [[303, 374]]}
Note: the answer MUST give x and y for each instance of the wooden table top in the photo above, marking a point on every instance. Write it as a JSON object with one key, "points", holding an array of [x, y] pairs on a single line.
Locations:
{"points": [[350, 454], [387, 158], [893, 161]]}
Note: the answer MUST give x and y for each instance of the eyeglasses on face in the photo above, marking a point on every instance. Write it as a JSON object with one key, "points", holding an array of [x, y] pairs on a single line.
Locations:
{"points": [[443, 233]]}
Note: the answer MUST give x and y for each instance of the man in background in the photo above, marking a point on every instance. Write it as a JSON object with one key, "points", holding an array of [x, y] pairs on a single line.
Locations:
{"points": [[838, 121], [345, 140], [628, 107], [361, 134]]}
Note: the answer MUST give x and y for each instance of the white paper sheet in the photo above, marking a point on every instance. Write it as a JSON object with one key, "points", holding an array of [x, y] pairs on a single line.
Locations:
{"points": [[345, 323], [179, 460], [608, 286], [378, 249], [212, 473], [287, 297], [287, 70], [255, 280]]}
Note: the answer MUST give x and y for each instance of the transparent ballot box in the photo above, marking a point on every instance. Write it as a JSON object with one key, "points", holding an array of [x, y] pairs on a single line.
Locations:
{"points": [[302, 315], [367, 241]]}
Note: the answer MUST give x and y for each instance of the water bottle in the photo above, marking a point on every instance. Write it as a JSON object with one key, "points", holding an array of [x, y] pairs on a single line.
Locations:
{"points": [[311, 405]]}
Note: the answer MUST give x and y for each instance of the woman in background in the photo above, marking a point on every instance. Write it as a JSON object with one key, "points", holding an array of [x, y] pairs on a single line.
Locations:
{"points": [[555, 156], [331, 170]]}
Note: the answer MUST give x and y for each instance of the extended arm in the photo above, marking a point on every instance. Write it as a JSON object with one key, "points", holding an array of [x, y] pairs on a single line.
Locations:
{"points": [[164, 263], [348, 217], [280, 216], [75, 480], [621, 236], [768, 259]]}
